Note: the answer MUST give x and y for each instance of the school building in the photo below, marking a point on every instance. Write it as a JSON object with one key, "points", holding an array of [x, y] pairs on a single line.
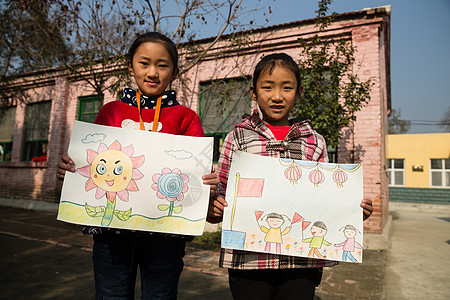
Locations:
{"points": [[419, 168], [35, 134]]}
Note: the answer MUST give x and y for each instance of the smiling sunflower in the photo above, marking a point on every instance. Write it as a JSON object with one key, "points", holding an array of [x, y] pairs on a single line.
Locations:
{"points": [[113, 171]]}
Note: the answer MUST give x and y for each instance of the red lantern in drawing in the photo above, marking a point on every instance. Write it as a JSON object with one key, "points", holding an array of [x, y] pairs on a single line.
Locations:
{"points": [[316, 177], [293, 173], [339, 177]]}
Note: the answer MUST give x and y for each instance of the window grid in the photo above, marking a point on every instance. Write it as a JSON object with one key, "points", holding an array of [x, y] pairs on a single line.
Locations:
{"points": [[7, 122], [37, 122], [88, 108], [440, 172], [222, 104], [396, 172]]}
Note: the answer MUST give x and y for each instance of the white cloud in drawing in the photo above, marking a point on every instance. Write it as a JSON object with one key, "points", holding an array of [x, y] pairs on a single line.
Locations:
{"points": [[93, 138], [179, 154]]}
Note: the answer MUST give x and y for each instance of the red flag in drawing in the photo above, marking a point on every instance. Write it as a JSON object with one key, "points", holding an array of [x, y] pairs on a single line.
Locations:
{"points": [[297, 218], [258, 214], [305, 224], [250, 187]]}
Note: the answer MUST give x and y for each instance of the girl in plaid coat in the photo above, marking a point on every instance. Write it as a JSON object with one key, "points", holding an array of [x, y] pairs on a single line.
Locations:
{"points": [[269, 132]]}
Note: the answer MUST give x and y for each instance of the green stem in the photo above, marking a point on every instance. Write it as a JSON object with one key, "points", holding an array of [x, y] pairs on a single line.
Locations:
{"points": [[109, 212], [171, 208]]}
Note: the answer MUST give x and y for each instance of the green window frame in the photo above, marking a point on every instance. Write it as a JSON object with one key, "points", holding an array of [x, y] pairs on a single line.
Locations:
{"points": [[7, 123], [89, 107], [332, 154], [222, 104], [37, 123]]}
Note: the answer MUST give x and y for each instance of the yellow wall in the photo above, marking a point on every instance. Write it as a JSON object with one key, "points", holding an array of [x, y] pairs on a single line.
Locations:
{"points": [[418, 149]]}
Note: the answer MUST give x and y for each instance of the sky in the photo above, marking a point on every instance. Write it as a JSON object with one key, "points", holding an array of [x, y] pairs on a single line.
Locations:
{"points": [[420, 50], [420, 53]]}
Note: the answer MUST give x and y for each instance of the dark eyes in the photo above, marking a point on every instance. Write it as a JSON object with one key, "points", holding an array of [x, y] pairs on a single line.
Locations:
{"points": [[144, 63], [284, 88]]}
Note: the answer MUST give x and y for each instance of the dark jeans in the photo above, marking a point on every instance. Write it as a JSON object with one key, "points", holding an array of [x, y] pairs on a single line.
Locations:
{"points": [[283, 284], [117, 256]]}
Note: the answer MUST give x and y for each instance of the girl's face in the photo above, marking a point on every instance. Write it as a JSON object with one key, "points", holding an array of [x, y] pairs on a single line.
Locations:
{"points": [[275, 222], [349, 233], [153, 68], [276, 94]]}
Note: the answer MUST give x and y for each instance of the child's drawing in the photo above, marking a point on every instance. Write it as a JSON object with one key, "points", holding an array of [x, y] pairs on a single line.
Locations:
{"points": [[316, 177], [113, 172], [349, 245], [141, 181], [281, 193], [318, 231], [339, 177], [293, 173], [278, 226], [170, 185]]}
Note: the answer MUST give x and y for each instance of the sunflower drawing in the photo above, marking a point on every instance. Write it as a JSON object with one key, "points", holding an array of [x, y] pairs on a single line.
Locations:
{"points": [[113, 171]]}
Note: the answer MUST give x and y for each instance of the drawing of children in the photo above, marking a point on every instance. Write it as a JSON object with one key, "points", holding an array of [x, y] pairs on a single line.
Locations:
{"points": [[349, 244], [274, 233], [318, 230]]}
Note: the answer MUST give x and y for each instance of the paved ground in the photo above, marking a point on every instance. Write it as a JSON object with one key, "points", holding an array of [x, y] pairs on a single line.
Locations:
{"points": [[418, 264], [46, 259]]}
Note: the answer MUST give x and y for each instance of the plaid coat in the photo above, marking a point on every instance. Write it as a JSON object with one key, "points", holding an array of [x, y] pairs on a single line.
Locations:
{"points": [[253, 136]]}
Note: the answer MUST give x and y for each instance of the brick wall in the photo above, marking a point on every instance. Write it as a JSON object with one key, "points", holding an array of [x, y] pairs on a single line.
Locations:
{"points": [[362, 142]]}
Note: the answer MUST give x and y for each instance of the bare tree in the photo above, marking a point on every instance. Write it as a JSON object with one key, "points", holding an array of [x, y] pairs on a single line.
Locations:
{"points": [[396, 125], [24, 46], [96, 34], [445, 121]]}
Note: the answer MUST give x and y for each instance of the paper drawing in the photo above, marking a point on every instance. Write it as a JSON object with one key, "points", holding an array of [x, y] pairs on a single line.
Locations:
{"points": [[293, 207], [123, 182], [349, 245], [170, 185], [113, 172]]}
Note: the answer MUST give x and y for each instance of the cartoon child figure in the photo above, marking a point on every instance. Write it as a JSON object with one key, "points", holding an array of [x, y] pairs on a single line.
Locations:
{"points": [[274, 233], [318, 230], [349, 244]]}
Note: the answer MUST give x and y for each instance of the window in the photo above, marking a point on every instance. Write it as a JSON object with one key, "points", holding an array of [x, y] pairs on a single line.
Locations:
{"points": [[7, 118], [222, 104], [37, 121], [440, 172], [88, 108], [332, 154], [396, 172]]}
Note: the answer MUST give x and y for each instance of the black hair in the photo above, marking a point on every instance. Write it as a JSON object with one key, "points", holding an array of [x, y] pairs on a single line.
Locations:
{"points": [[155, 37], [321, 225], [269, 62], [274, 216]]}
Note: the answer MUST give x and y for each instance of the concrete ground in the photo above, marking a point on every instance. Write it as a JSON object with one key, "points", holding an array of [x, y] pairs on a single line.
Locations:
{"points": [[418, 264], [43, 258]]}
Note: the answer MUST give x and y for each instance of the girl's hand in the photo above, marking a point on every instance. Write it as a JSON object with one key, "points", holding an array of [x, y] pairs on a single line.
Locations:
{"points": [[212, 180], [215, 209], [367, 207], [65, 164]]}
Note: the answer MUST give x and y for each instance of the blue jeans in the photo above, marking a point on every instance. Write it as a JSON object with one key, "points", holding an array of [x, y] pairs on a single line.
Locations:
{"points": [[117, 256]]}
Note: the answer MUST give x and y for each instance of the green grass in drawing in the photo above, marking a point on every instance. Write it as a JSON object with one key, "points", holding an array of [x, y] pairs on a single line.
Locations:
{"points": [[113, 171]]}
